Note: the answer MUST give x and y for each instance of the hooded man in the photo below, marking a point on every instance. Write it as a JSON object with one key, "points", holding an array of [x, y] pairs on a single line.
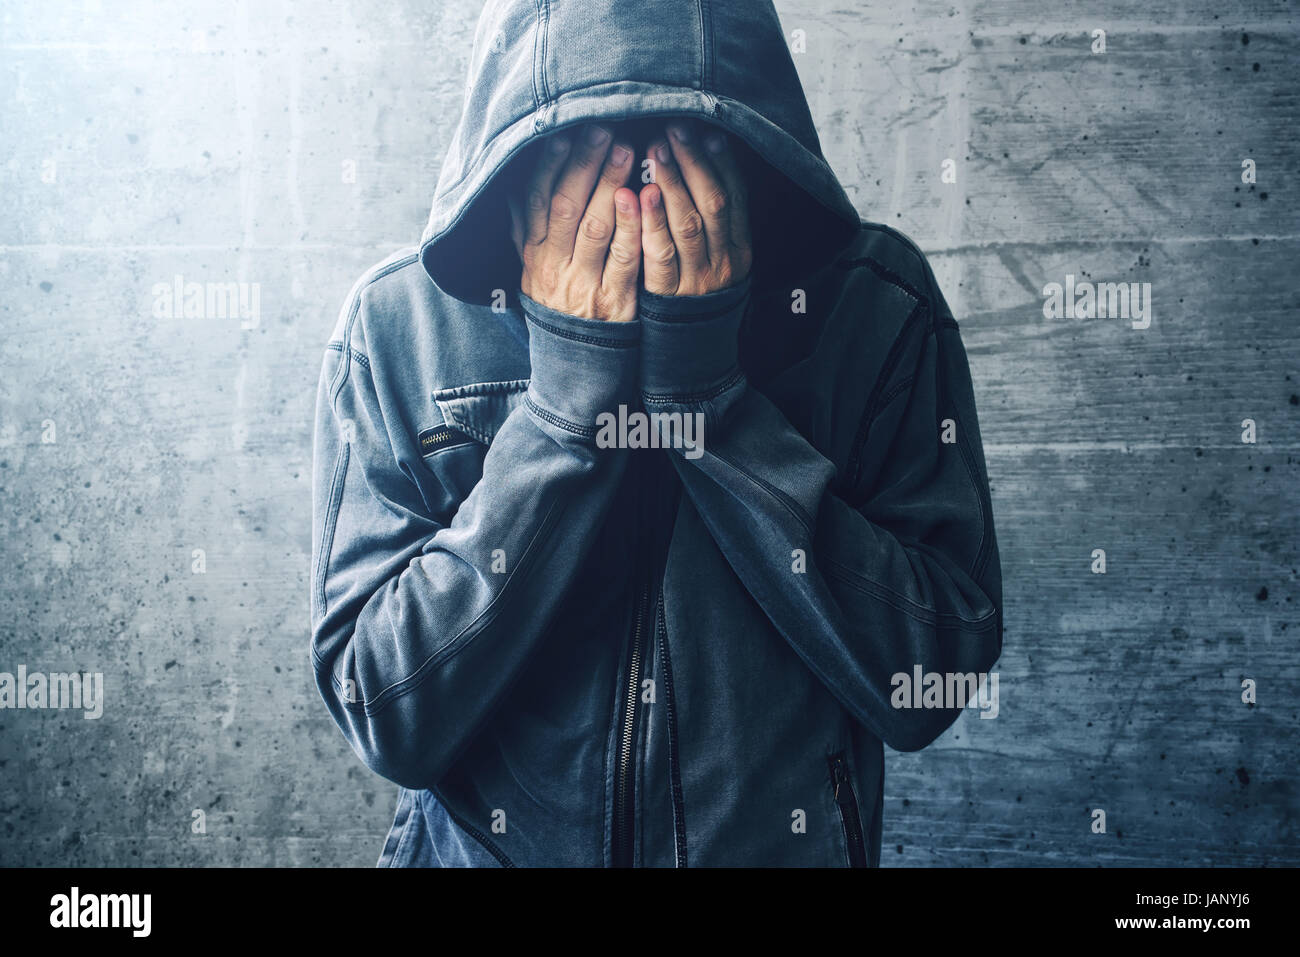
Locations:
{"points": [[644, 479]]}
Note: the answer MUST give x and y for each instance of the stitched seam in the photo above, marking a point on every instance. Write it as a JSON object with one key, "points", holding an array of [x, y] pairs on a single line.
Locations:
{"points": [[331, 521], [406, 830], [972, 472], [448, 448], [717, 312], [537, 59], [479, 388], [449, 650], [665, 398], [892, 358], [472, 431], [544, 27], [582, 337], [790, 504], [463, 205], [704, 43], [885, 273], [903, 385], [341, 375], [354, 352], [914, 610], [911, 247], [472, 831], [674, 757], [710, 78], [388, 851], [557, 421]]}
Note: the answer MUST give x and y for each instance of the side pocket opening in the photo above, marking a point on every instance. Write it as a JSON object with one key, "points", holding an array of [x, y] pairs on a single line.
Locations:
{"points": [[846, 800]]}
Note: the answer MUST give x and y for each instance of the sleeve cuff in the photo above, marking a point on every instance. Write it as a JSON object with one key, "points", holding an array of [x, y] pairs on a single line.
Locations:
{"points": [[580, 367], [688, 343]]}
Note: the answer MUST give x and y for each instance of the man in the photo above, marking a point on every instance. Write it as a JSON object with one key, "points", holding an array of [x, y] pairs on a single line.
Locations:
{"points": [[573, 638]]}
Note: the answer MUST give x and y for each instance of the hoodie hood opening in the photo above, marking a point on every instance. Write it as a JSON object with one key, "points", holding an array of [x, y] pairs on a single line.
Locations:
{"points": [[531, 75]]}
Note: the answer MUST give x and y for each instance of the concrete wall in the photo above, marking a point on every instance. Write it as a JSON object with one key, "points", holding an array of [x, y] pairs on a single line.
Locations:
{"points": [[210, 140]]}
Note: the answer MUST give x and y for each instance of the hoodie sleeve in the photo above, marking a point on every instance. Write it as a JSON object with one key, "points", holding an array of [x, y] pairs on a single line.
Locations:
{"points": [[422, 620], [867, 575]]}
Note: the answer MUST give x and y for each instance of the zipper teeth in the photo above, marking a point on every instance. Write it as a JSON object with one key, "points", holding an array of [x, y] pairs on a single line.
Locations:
{"points": [[674, 769], [621, 797], [848, 806], [633, 673]]}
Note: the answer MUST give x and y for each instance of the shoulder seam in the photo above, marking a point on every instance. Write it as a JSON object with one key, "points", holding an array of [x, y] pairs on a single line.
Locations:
{"points": [[372, 276], [885, 273], [359, 356], [918, 255]]}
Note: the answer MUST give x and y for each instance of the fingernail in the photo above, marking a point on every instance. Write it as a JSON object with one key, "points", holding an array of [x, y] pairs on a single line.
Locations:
{"points": [[653, 198], [621, 155], [715, 142], [679, 132], [596, 135], [559, 144], [663, 154], [623, 205]]}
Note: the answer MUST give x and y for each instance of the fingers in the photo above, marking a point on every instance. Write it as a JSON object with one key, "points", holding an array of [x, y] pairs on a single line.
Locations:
{"points": [[723, 158], [538, 198], [596, 229], [573, 190], [705, 185], [658, 250], [623, 262], [684, 221]]}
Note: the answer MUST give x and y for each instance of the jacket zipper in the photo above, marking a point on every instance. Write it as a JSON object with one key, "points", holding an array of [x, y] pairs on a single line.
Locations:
{"points": [[624, 780], [674, 761], [848, 804], [653, 487], [622, 853]]}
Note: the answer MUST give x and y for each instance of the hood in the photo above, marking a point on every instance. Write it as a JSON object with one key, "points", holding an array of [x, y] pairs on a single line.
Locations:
{"points": [[539, 66]]}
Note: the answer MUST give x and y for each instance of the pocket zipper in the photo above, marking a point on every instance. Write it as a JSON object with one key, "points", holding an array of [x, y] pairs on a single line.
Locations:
{"points": [[847, 801]]}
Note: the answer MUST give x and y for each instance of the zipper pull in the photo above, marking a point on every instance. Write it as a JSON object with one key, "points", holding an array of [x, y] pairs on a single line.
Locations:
{"points": [[841, 777]]}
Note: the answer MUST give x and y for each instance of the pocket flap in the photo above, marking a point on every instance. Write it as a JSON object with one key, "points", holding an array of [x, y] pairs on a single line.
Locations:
{"points": [[479, 409]]}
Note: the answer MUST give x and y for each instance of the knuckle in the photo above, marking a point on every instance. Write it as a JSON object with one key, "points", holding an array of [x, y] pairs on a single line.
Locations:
{"points": [[564, 209], [621, 254], [536, 200], [595, 228], [692, 225], [664, 256], [715, 203]]}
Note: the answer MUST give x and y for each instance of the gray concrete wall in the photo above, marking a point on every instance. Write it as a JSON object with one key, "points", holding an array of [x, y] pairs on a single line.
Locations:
{"points": [[209, 140]]}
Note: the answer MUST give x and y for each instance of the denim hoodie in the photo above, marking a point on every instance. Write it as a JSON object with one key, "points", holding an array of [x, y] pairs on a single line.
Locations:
{"points": [[566, 653]]}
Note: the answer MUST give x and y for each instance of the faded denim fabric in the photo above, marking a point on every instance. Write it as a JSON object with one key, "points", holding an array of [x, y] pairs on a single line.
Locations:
{"points": [[570, 654]]}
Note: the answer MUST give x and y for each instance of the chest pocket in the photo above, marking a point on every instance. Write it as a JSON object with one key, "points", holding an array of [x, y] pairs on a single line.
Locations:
{"points": [[453, 445]]}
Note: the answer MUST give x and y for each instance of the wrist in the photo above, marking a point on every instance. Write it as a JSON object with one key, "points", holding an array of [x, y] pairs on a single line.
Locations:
{"points": [[689, 344], [580, 367]]}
